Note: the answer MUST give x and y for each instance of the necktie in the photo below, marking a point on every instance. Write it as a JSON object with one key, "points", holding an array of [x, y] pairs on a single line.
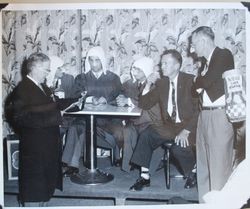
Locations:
{"points": [[173, 115], [200, 101], [205, 69]]}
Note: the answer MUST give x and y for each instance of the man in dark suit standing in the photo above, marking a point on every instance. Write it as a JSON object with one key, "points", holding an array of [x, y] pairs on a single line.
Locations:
{"points": [[178, 118], [37, 117], [215, 134]]}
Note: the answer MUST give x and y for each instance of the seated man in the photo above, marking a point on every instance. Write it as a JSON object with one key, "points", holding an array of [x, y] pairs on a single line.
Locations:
{"points": [[102, 87], [61, 84], [141, 71], [179, 112]]}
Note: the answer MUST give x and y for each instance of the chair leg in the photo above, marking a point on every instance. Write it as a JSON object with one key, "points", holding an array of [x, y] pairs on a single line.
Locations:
{"points": [[112, 156], [166, 167], [168, 170]]}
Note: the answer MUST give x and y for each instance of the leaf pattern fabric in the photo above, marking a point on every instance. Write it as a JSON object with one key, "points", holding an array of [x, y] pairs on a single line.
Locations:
{"points": [[125, 35]]}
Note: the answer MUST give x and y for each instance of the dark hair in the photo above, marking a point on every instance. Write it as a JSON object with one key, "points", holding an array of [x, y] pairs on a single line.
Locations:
{"points": [[34, 58], [174, 53], [204, 30]]}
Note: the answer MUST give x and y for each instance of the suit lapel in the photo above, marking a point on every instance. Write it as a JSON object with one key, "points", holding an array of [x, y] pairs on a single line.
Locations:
{"points": [[180, 83], [164, 92], [179, 89], [37, 93], [210, 64]]}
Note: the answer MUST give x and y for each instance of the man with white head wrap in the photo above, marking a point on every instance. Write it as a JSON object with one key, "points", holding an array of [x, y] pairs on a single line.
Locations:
{"points": [[179, 113], [141, 71], [102, 86], [58, 79], [55, 63]]}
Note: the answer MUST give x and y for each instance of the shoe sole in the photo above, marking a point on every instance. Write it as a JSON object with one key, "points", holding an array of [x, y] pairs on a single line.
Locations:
{"points": [[134, 190]]}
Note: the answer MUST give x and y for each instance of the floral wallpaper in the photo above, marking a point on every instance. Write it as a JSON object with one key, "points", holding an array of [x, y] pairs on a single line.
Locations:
{"points": [[125, 34]]}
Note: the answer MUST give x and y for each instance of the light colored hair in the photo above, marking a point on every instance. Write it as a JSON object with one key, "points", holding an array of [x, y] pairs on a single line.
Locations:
{"points": [[204, 30], [35, 58]]}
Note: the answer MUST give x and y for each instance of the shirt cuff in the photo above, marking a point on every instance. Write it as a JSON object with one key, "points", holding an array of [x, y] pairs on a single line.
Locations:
{"points": [[130, 103], [145, 91], [199, 90], [89, 99]]}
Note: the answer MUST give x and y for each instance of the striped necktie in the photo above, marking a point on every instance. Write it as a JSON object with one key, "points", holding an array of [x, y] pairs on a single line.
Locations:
{"points": [[173, 115]]}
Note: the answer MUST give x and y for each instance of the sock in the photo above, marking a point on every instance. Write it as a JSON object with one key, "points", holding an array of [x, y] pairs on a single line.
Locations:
{"points": [[194, 169], [144, 173]]}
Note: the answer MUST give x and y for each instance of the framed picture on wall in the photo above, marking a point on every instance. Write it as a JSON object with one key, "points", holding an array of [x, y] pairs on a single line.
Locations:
{"points": [[13, 159]]}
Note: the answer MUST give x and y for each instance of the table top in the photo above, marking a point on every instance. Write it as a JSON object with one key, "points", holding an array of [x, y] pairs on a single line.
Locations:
{"points": [[106, 109]]}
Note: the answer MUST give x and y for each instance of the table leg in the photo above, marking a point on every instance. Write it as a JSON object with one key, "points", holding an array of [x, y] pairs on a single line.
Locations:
{"points": [[92, 175]]}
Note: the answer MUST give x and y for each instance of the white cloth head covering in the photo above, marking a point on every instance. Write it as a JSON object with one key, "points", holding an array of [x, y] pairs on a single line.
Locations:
{"points": [[55, 63], [146, 64], [96, 51]]}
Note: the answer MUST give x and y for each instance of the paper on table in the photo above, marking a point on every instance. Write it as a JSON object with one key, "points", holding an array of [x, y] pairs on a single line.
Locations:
{"points": [[79, 103]]}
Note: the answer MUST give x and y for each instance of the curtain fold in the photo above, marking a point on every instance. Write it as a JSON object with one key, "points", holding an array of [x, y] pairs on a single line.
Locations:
{"points": [[125, 35]]}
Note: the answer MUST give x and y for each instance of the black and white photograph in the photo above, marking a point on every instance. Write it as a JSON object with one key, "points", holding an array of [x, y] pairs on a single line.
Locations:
{"points": [[12, 157], [115, 104]]}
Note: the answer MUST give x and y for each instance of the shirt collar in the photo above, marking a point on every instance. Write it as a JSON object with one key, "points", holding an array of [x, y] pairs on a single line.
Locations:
{"points": [[175, 79], [210, 55], [34, 81], [98, 74]]}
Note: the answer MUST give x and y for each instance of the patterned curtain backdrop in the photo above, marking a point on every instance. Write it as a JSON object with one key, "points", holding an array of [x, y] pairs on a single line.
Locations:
{"points": [[128, 34], [125, 35]]}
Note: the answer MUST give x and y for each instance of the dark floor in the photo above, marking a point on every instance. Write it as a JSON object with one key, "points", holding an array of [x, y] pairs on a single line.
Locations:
{"points": [[115, 192]]}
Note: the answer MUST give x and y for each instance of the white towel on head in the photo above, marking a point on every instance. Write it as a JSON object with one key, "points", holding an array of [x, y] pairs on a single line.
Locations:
{"points": [[96, 51], [146, 64], [55, 63]]}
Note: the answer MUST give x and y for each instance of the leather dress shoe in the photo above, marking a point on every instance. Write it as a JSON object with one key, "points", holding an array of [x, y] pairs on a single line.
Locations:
{"points": [[64, 165], [132, 168], [70, 171], [118, 163], [140, 184], [191, 181]]}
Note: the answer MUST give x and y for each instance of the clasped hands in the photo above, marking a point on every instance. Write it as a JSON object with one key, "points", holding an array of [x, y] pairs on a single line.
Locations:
{"points": [[98, 100], [182, 138], [122, 101]]}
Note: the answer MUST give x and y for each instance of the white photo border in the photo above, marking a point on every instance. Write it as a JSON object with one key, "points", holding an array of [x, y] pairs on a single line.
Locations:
{"points": [[146, 5]]}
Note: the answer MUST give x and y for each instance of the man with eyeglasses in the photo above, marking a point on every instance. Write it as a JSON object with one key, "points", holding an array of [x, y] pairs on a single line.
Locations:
{"points": [[215, 135], [36, 117]]}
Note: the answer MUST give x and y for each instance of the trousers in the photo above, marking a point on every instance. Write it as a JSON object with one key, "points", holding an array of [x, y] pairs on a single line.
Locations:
{"points": [[150, 139], [214, 147]]}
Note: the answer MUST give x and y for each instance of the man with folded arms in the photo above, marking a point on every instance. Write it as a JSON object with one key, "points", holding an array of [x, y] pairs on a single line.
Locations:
{"points": [[215, 133]]}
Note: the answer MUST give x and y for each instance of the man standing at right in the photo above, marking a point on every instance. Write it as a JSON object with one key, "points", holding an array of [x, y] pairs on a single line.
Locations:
{"points": [[215, 135]]}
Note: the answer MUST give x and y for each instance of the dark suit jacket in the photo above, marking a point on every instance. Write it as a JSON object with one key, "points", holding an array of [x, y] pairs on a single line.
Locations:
{"points": [[67, 85], [221, 61], [187, 104], [131, 90], [37, 117]]}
